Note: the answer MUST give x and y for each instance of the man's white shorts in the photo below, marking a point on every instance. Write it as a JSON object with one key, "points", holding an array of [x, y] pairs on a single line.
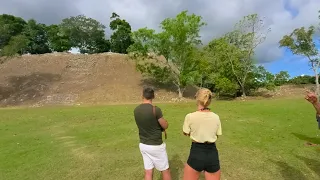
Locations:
{"points": [[154, 156]]}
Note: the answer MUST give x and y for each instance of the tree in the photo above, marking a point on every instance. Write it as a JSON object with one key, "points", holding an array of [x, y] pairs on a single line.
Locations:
{"points": [[57, 40], [10, 26], [169, 56], [281, 78], [217, 68], [85, 33], [247, 36], [261, 78], [101, 45], [17, 45], [37, 36], [300, 42], [121, 38]]}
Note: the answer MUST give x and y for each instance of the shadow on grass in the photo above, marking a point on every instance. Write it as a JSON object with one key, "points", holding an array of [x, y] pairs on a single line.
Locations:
{"points": [[176, 167], [288, 172], [308, 139], [312, 164]]}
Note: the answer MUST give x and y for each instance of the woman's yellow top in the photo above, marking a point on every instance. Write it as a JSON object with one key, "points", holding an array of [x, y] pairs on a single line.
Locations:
{"points": [[202, 126]]}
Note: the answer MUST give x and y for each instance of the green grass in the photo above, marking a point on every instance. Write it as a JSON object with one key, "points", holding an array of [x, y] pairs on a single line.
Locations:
{"points": [[261, 140]]}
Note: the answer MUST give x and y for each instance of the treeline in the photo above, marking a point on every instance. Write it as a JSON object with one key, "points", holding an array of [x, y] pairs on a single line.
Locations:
{"points": [[18, 36], [175, 55], [304, 79], [227, 64]]}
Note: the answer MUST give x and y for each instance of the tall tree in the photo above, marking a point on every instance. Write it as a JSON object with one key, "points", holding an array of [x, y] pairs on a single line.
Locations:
{"points": [[300, 42], [38, 39], [169, 56], [218, 74], [248, 35], [121, 38], [10, 26], [57, 40], [85, 33]]}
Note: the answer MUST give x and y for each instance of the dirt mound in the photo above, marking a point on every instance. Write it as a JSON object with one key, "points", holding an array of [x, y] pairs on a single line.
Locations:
{"points": [[62, 78], [285, 91], [107, 78]]}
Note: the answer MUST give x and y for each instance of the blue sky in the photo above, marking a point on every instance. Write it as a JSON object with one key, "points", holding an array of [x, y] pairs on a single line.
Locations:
{"points": [[295, 65]]}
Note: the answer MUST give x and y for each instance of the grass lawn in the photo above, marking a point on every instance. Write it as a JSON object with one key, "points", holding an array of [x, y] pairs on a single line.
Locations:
{"points": [[261, 140]]}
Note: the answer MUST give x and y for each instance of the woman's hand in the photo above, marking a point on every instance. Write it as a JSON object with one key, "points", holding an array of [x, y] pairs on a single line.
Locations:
{"points": [[186, 134]]}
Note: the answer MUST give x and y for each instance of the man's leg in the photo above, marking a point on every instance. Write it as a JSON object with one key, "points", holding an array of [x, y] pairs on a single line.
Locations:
{"points": [[148, 174], [166, 175], [147, 162], [161, 162]]}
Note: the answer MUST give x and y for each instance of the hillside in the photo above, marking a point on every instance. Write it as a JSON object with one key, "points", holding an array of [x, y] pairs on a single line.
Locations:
{"points": [[61, 78], [68, 79]]}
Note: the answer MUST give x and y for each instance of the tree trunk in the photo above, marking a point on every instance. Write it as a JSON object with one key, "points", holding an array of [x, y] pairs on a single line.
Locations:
{"points": [[180, 91], [317, 84], [243, 91]]}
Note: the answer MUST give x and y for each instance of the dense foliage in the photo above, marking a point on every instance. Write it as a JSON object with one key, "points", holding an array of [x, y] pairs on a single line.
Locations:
{"points": [[121, 37], [18, 36]]}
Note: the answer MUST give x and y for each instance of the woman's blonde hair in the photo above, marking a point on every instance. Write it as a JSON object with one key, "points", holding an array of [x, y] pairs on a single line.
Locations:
{"points": [[203, 97]]}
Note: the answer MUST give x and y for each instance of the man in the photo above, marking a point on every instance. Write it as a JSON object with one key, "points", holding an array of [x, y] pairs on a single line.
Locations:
{"points": [[312, 98], [151, 123]]}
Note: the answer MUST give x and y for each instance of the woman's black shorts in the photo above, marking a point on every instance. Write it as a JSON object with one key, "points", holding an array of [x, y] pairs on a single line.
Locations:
{"points": [[204, 157]]}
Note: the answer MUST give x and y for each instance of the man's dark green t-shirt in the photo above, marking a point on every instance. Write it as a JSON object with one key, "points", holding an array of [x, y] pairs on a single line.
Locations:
{"points": [[150, 131]]}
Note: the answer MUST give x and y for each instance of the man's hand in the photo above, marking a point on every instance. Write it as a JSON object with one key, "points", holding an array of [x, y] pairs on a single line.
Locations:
{"points": [[311, 97]]}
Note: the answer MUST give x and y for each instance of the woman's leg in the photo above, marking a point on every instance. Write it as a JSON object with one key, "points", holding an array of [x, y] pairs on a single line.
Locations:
{"points": [[213, 176], [189, 173]]}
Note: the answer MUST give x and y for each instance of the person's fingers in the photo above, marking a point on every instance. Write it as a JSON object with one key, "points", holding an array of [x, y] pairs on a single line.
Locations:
{"points": [[311, 95]]}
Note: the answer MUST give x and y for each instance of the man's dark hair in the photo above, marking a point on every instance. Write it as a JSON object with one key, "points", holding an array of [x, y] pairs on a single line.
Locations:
{"points": [[148, 93]]}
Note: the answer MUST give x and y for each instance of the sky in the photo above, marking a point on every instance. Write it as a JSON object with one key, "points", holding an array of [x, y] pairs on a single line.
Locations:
{"points": [[282, 16]]}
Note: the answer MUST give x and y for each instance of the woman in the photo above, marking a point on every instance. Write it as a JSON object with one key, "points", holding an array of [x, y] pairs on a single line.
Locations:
{"points": [[203, 127]]}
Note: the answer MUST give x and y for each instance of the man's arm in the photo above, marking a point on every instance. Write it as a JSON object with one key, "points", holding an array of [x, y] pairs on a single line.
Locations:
{"points": [[317, 107], [313, 99], [163, 123]]}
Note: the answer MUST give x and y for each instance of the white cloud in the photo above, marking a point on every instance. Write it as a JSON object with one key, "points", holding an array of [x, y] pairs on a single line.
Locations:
{"points": [[220, 15]]}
